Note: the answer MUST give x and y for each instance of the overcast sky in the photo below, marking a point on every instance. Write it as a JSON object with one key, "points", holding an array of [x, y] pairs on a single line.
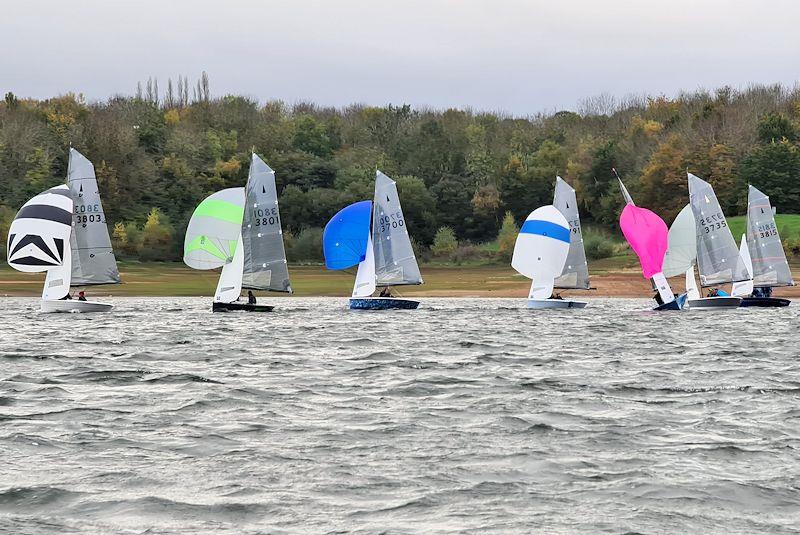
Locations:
{"points": [[518, 56]]}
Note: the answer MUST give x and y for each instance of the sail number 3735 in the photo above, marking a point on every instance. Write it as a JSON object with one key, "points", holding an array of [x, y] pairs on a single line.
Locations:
{"points": [[713, 222]]}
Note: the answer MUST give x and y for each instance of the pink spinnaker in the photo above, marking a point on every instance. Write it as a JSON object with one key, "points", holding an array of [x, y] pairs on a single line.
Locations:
{"points": [[647, 233]]}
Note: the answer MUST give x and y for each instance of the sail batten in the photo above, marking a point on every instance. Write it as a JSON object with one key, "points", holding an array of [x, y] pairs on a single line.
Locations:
{"points": [[770, 268], [265, 266], [718, 259], [395, 262], [575, 274], [93, 260]]}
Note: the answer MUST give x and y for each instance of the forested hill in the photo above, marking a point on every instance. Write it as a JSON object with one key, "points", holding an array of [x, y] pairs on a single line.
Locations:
{"points": [[158, 154]]}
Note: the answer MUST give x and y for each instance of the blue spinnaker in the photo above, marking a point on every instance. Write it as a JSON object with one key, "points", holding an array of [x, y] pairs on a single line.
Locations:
{"points": [[344, 241]]}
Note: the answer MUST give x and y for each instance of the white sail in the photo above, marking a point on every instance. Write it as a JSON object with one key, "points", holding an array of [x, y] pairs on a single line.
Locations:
{"points": [[229, 286], [365, 277], [57, 281], [682, 249], [541, 249], [692, 292], [744, 288]]}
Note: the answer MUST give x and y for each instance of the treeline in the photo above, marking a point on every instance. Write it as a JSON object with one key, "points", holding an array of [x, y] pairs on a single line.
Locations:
{"points": [[159, 152]]}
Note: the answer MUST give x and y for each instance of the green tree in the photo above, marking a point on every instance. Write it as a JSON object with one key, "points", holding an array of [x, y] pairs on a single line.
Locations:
{"points": [[444, 243], [774, 168], [775, 127], [507, 237], [157, 237]]}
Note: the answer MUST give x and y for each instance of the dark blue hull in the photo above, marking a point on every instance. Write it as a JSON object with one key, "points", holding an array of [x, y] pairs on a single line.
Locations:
{"points": [[677, 304], [768, 302], [383, 303], [240, 307]]}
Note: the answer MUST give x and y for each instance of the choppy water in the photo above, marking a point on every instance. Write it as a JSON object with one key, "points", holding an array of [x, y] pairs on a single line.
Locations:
{"points": [[466, 416]]}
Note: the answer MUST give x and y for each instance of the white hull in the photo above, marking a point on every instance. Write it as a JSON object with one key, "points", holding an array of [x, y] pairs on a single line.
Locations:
{"points": [[74, 306], [555, 303], [715, 302]]}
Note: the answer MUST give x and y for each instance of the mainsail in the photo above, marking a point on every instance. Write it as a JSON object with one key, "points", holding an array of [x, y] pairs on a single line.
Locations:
{"points": [[576, 271], [395, 263], [682, 249], [766, 251], [93, 259], [718, 259], [265, 265]]}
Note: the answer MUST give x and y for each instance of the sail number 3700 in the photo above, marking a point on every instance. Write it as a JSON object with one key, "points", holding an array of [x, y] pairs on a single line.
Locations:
{"points": [[390, 221]]}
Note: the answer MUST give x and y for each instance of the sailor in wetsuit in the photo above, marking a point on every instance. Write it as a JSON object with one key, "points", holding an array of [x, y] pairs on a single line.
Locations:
{"points": [[81, 296], [251, 299], [385, 292]]}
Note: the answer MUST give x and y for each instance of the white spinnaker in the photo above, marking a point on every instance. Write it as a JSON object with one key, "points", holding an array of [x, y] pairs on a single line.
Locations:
{"points": [[744, 288], [365, 277], [682, 249], [58, 279], [229, 286], [541, 249]]}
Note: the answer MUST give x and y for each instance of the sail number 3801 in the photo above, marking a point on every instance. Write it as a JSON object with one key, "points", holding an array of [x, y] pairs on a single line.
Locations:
{"points": [[264, 217]]}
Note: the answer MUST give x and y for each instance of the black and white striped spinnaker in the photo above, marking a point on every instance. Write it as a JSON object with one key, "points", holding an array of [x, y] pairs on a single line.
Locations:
{"points": [[39, 240]]}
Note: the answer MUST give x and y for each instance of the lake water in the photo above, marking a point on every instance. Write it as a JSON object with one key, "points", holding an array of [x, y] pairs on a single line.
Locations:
{"points": [[465, 416]]}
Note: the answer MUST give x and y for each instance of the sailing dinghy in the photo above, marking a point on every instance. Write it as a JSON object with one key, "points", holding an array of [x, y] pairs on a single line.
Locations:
{"points": [[540, 253], [239, 230], [63, 232], [647, 235], [763, 252], [575, 275], [718, 258], [374, 236]]}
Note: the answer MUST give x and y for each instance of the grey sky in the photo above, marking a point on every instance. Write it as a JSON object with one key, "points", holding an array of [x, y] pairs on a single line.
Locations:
{"points": [[511, 55]]}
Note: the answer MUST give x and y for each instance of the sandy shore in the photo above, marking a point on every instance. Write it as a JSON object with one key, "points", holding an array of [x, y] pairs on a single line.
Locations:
{"points": [[440, 281]]}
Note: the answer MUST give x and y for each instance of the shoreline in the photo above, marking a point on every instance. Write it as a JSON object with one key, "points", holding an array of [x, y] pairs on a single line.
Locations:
{"points": [[614, 279]]}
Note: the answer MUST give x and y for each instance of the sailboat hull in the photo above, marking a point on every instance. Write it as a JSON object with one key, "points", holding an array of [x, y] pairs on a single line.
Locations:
{"points": [[74, 306], [679, 303], [541, 304], [715, 302], [765, 302], [382, 303], [240, 307]]}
